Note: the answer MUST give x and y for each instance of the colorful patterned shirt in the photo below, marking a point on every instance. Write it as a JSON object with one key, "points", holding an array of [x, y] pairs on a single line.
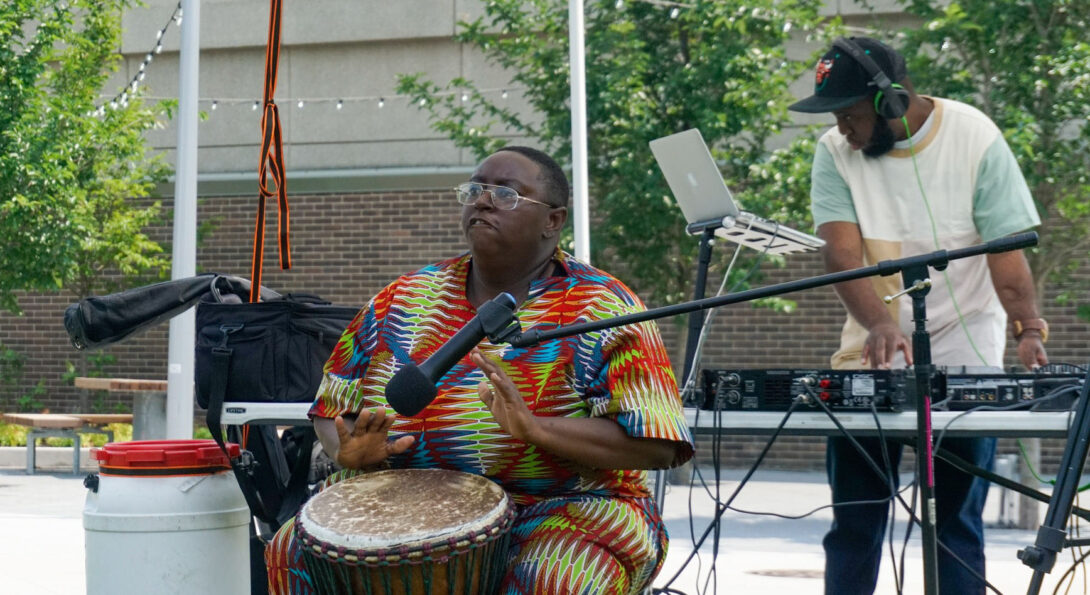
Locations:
{"points": [[621, 373]]}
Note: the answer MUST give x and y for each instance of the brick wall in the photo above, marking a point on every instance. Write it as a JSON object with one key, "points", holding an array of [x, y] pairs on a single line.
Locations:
{"points": [[347, 246]]}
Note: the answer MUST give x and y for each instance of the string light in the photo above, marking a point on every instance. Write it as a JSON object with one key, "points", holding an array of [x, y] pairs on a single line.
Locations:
{"points": [[129, 90], [338, 104]]}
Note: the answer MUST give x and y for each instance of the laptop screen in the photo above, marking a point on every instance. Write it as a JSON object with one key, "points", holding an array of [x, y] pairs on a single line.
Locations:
{"points": [[707, 203], [693, 177]]}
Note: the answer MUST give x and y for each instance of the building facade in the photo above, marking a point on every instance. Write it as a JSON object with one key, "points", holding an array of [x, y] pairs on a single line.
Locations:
{"points": [[369, 186]]}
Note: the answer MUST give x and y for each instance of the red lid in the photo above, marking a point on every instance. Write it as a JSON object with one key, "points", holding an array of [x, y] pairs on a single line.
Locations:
{"points": [[164, 454]]}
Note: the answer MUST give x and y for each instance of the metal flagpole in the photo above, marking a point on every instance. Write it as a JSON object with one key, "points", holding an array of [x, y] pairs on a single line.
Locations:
{"points": [[179, 410], [580, 200]]}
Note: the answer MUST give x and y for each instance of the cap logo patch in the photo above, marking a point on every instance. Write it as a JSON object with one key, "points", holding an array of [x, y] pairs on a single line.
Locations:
{"points": [[824, 67]]}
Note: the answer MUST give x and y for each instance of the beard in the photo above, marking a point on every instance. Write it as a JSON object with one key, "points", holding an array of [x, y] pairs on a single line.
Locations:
{"points": [[881, 140]]}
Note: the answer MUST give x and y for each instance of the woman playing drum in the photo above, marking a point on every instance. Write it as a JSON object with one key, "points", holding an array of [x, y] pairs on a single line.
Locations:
{"points": [[567, 428]]}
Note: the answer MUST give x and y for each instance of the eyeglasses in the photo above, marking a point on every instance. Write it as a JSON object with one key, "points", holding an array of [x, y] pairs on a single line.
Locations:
{"points": [[503, 198]]}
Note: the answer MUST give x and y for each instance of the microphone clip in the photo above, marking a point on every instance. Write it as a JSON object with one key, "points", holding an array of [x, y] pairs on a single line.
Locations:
{"points": [[498, 319]]}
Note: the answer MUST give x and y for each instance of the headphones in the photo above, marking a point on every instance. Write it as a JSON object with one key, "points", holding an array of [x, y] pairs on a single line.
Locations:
{"points": [[891, 101]]}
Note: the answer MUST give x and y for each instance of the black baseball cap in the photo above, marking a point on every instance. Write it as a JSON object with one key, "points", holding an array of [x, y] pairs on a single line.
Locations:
{"points": [[841, 81]]}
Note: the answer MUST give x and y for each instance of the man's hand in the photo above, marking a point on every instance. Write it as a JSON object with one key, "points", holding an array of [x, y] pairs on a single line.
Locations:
{"points": [[366, 444], [1031, 351], [504, 400], [883, 341]]}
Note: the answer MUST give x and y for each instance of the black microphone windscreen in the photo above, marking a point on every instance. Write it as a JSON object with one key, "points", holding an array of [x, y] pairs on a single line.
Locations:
{"points": [[410, 391]]}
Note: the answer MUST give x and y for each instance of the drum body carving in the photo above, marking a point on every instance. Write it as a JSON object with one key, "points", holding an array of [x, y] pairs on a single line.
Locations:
{"points": [[407, 531]]}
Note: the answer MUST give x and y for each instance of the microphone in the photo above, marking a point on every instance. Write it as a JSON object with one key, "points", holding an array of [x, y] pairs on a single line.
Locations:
{"points": [[413, 387]]}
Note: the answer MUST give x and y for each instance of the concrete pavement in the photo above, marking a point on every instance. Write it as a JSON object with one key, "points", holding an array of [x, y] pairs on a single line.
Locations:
{"points": [[42, 552]]}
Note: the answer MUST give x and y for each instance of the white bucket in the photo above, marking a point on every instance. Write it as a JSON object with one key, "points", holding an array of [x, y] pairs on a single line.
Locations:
{"points": [[166, 517]]}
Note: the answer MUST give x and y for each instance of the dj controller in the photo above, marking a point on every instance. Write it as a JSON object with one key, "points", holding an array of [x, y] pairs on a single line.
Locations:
{"points": [[952, 388]]}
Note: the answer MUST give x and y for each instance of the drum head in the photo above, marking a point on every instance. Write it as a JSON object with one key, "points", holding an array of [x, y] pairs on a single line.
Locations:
{"points": [[403, 508]]}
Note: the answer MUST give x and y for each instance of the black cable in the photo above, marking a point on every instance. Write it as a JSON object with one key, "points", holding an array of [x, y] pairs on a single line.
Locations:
{"points": [[887, 476], [1030, 405], [795, 517], [874, 467], [722, 508], [963, 465], [893, 478], [690, 388]]}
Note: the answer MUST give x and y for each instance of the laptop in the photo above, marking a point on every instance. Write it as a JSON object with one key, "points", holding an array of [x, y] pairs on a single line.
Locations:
{"points": [[706, 201]]}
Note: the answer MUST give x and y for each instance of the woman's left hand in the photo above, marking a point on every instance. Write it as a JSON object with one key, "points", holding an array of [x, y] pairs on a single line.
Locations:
{"points": [[504, 399]]}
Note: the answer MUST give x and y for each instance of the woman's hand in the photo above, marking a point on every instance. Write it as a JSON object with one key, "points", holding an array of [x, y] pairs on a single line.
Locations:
{"points": [[504, 400], [367, 443]]}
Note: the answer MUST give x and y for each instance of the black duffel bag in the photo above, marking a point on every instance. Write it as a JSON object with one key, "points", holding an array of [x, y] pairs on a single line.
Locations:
{"points": [[269, 351]]}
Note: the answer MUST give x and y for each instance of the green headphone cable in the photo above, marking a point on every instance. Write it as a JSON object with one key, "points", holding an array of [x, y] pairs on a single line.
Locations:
{"points": [[935, 237]]}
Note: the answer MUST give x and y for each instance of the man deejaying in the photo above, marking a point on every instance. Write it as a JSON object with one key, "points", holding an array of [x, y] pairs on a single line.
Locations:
{"points": [[567, 427], [904, 174]]}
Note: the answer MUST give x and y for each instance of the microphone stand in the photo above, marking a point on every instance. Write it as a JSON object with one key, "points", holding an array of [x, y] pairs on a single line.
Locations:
{"points": [[918, 288], [1051, 536], [916, 282], [696, 319]]}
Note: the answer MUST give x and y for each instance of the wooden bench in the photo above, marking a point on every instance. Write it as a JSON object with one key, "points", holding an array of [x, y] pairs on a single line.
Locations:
{"points": [[63, 425]]}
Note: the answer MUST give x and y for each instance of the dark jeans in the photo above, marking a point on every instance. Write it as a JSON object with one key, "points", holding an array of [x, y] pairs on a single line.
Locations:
{"points": [[854, 544]]}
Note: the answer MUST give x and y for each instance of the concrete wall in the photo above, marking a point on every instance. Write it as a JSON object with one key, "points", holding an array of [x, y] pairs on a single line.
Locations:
{"points": [[332, 51], [346, 50]]}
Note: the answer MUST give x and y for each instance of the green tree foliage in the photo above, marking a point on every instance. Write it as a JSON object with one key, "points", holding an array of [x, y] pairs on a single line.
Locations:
{"points": [[69, 179], [653, 69], [1025, 63]]}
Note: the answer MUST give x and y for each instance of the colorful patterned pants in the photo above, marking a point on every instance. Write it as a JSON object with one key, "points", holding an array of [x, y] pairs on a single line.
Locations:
{"points": [[579, 544]]}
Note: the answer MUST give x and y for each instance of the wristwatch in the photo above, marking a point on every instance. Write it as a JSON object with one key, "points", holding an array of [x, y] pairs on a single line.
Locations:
{"points": [[1036, 324]]}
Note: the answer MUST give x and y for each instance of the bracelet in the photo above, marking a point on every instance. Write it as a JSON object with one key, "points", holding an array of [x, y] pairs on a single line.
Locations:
{"points": [[1034, 324]]}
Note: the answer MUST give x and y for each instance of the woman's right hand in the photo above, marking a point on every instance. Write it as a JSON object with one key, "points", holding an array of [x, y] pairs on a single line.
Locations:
{"points": [[367, 444]]}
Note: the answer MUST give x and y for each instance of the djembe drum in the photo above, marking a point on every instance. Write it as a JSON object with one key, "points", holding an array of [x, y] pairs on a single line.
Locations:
{"points": [[407, 531]]}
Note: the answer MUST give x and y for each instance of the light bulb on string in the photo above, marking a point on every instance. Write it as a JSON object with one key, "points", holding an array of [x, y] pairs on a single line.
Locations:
{"points": [[381, 102], [300, 104], [215, 104], [340, 103], [253, 108], [465, 97], [503, 95]]}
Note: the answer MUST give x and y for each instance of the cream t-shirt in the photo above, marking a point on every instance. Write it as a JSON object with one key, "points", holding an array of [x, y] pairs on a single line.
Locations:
{"points": [[959, 168]]}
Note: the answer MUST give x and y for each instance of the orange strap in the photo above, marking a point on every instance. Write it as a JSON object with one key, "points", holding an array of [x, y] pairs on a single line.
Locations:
{"points": [[272, 161]]}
